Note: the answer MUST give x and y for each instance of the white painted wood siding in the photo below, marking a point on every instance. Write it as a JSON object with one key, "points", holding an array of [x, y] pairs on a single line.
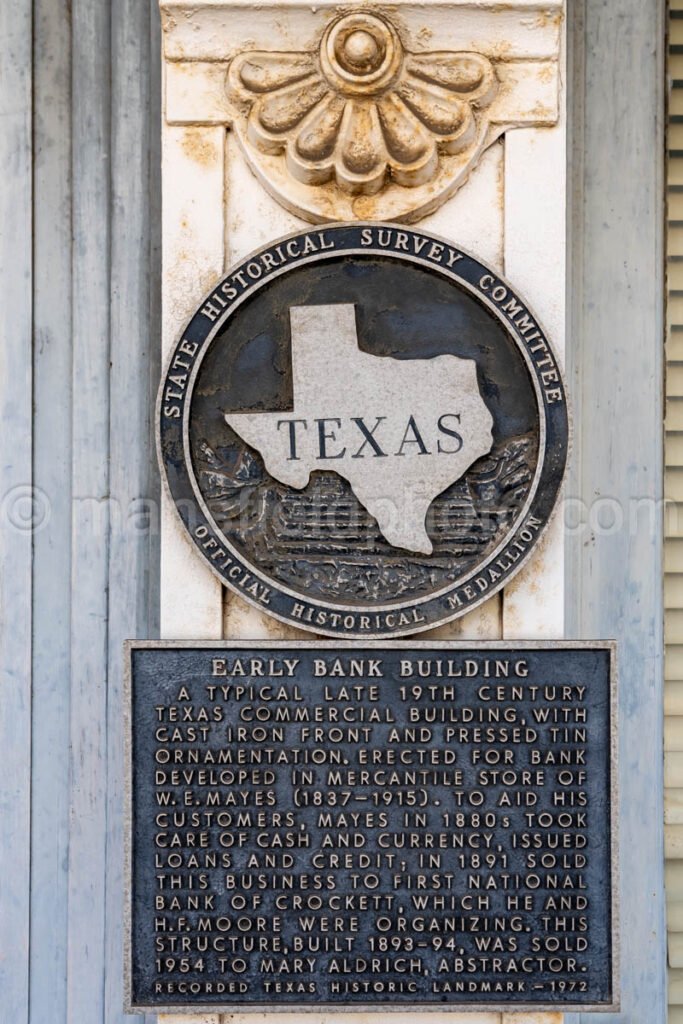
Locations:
{"points": [[79, 362], [614, 542]]}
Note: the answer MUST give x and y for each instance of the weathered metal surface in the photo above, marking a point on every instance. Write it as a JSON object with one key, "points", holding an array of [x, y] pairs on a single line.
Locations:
{"points": [[457, 378], [92, 518], [415, 825]]}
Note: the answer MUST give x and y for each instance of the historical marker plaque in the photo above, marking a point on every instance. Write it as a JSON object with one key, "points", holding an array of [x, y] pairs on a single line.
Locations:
{"points": [[364, 430], [413, 825]]}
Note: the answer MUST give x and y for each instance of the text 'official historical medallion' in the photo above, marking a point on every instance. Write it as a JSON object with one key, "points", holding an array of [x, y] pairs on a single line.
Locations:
{"points": [[364, 430]]}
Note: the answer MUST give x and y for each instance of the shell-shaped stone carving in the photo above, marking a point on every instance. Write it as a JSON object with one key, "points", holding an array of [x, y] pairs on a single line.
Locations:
{"points": [[362, 111]]}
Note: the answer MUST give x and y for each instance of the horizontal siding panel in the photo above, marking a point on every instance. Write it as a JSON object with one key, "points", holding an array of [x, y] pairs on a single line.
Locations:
{"points": [[673, 770], [673, 808], [675, 246], [673, 843], [673, 698], [676, 991], [674, 414], [673, 592], [673, 557], [674, 347], [673, 733], [675, 949], [674, 661], [675, 170], [673, 521], [673, 484], [674, 446], [674, 625], [675, 921], [675, 212], [676, 1015], [675, 310], [674, 378]]}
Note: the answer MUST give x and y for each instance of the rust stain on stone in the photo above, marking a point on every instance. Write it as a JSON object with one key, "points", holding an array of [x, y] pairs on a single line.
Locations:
{"points": [[425, 35], [500, 180], [546, 73], [548, 19], [499, 51], [198, 147]]}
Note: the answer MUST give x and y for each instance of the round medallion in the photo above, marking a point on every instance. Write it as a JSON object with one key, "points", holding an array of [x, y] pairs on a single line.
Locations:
{"points": [[364, 429]]}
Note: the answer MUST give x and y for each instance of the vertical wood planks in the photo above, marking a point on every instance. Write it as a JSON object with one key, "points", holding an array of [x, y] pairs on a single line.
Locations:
{"points": [[59, 942], [15, 504], [90, 525], [616, 356], [133, 512], [51, 653]]}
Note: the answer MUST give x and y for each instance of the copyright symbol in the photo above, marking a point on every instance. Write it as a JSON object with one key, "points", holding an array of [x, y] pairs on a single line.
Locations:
{"points": [[26, 509]]}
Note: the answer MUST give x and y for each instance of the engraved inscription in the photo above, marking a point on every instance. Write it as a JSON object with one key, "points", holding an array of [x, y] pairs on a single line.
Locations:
{"points": [[321, 825]]}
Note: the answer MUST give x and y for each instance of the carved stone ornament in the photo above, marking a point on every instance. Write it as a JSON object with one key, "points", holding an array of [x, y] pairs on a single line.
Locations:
{"points": [[363, 110], [362, 126]]}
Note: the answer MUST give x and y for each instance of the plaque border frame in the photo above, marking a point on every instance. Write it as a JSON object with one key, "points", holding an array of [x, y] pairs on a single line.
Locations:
{"points": [[330, 1008]]}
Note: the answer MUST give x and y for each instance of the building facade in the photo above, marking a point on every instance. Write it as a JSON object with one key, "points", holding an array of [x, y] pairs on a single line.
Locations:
{"points": [[130, 185]]}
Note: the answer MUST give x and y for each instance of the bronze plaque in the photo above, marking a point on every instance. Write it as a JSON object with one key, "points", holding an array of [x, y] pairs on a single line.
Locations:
{"points": [[407, 826], [364, 430]]}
